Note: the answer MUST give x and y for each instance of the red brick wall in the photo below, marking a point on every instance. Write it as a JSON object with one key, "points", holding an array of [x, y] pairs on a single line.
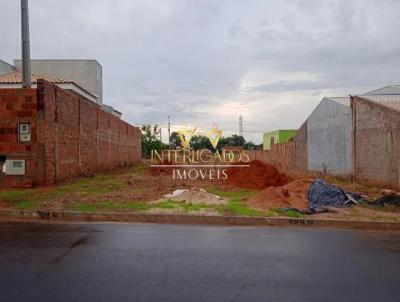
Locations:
{"points": [[376, 143], [301, 150], [103, 138], [16, 106], [71, 136], [280, 155]]}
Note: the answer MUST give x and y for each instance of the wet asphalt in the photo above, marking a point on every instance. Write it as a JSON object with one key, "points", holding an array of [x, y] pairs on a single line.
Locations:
{"points": [[146, 262]]}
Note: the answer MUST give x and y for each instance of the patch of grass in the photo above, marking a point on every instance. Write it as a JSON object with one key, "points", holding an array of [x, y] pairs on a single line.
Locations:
{"points": [[140, 168], [239, 194], [22, 199], [237, 207], [181, 205], [14, 196], [235, 204], [168, 204], [26, 205], [99, 184], [88, 186], [136, 206], [111, 205], [85, 207], [192, 207], [291, 214]]}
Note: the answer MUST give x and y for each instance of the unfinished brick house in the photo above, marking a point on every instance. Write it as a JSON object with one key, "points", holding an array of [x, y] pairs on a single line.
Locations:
{"points": [[49, 134]]}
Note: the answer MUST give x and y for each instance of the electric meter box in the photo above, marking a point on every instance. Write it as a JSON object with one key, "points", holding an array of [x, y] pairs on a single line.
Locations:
{"points": [[24, 130], [15, 167]]}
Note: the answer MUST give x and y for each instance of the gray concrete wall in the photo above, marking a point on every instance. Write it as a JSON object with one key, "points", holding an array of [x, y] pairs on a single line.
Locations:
{"points": [[329, 136], [85, 73], [5, 67]]}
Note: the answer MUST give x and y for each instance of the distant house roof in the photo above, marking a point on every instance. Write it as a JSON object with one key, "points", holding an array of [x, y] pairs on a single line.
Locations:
{"points": [[345, 100], [386, 90], [281, 130], [14, 79], [5, 67], [391, 101]]}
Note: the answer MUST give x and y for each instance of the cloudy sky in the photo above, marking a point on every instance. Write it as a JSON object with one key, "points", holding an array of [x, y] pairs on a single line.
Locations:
{"points": [[204, 62]]}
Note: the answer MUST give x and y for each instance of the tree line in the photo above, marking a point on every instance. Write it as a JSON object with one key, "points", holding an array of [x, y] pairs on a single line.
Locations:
{"points": [[151, 141]]}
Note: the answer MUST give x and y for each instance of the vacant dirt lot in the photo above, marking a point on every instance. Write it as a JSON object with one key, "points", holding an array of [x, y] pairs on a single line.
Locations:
{"points": [[138, 188]]}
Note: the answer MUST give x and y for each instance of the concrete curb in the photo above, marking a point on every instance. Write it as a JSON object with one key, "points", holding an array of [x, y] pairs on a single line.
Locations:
{"points": [[196, 219]]}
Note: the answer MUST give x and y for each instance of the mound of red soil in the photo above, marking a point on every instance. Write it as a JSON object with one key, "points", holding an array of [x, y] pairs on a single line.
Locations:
{"points": [[291, 195], [156, 171], [258, 176]]}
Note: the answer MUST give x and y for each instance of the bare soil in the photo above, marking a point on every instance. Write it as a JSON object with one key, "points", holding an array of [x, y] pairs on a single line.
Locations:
{"points": [[113, 190], [291, 195], [358, 212], [257, 176]]}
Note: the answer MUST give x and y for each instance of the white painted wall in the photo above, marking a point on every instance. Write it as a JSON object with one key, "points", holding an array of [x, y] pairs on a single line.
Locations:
{"points": [[5, 67], [329, 137], [85, 73]]}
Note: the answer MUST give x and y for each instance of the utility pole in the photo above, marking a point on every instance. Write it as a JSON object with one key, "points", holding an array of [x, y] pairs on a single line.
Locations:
{"points": [[26, 57], [169, 134]]}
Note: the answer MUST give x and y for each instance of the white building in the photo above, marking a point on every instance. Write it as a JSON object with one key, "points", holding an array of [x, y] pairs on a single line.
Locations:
{"points": [[329, 136]]}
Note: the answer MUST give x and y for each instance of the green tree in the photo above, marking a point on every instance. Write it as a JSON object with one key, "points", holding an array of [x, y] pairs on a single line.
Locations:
{"points": [[175, 141], [150, 140], [200, 142], [252, 146], [233, 140]]}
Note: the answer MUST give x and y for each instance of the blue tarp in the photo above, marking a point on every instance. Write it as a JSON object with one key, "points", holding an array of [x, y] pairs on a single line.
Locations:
{"points": [[321, 194]]}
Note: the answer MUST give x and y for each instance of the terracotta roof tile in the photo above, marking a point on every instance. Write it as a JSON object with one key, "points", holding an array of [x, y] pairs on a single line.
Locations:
{"points": [[15, 77]]}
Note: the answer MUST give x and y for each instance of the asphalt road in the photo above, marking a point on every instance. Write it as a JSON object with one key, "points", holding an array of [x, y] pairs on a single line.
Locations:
{"points": [[145, 262]]}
